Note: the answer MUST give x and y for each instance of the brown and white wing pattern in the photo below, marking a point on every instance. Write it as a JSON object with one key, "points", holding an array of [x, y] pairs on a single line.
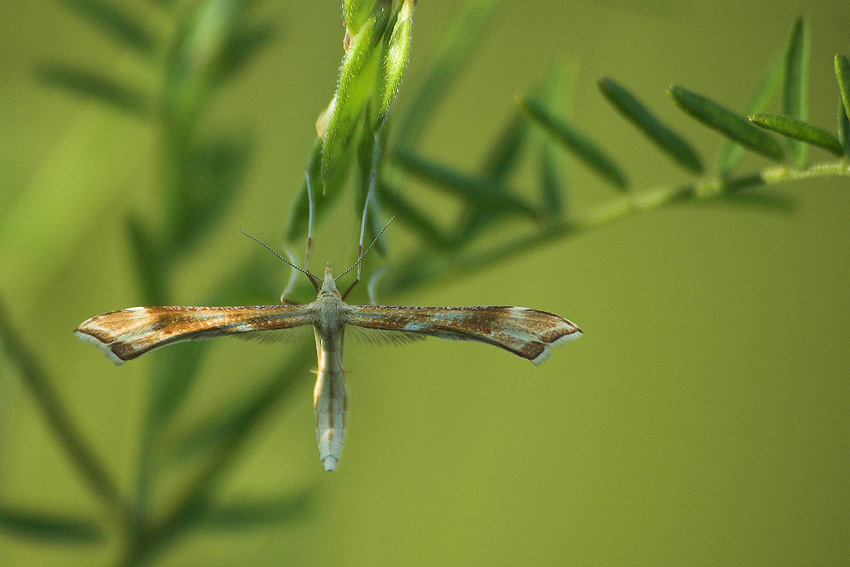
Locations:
{"points": [[529, 333], [123, 335]]}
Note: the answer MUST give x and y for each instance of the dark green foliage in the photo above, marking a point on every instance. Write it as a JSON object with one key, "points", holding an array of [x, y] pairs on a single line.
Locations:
{"points": [[98, 88], [48, 528], [634, 110], [116, 22], [798, 130], [728, 123], [842, 76]]}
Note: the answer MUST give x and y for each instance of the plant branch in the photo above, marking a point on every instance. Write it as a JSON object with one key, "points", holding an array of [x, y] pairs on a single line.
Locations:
{"points": [[618, 209]]}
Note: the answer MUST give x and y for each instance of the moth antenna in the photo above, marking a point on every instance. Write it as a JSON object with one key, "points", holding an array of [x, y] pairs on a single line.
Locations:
{"points": [[312, 277], [363, 255]]}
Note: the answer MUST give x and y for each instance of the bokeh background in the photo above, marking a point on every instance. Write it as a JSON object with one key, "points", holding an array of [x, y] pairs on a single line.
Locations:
{"points": [[701, 420]]}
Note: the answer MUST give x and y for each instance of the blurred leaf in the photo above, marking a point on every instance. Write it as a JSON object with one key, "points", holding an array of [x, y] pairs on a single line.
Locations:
{"points": [[93, 86], [557, 93], [574, 141], [173, 375], [471, 189], [798, 130], [550, 182], [772, 202], [257, 281], [48, 528], [356, 82], [635, 111], [114, 20], [245, 44], [395, 53], [214, 171], [506, 151], [843, 129], [731, 152], [147, 260], [731, 125], [453, 53], [270, 511], [226, 424], [412, 217], [842, 76], [796, 87]]}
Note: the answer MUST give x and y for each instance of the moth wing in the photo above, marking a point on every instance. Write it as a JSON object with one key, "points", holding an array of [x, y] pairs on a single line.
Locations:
{"points": [[529, 333], [126, 334]]}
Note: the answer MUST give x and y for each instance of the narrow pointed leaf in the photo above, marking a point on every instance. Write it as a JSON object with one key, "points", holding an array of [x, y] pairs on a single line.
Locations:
{"points": [[471, 189], [842, 76], [453, 53], [96, 87], [506, 151], [48, 528], [369, 160], [394, 56], [245, 44], [270, 511], [798, 130], [730, 153], [116, 22], [575, 142], [796, 101], [844, 129], [356, 82], [550, 181], [728, 123], [409, 215], [636, 112]]}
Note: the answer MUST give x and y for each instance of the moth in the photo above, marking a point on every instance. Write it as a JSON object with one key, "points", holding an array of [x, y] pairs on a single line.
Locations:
{"points": [[129, 333]]}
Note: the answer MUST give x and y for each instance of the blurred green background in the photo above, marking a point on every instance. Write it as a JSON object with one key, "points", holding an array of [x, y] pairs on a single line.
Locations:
{"points": [[701, 420]]}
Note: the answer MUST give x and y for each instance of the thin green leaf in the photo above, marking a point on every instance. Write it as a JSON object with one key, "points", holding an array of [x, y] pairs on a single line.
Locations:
{"points": [[798, 130], [574, 141], [728, 123], [214, 171], [665, 138], [550, 182], [395, 53], [93, 86], [409, 215], [505, 153], [471, 189], [796, 100], [356, 82], [844, 129], [175, 373], [453, 53], [148, 261], [116, 22], [731, 151], [245, 44], [842, 76], [558, 94], [48, 528], [270, 511]]}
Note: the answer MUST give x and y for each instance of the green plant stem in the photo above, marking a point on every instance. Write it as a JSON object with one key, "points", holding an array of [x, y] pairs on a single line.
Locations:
{"points": [[620, 209], [83, 457]]}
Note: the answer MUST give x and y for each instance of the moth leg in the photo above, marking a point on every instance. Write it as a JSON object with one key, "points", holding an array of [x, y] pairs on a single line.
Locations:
{"points": [[290, 285]]}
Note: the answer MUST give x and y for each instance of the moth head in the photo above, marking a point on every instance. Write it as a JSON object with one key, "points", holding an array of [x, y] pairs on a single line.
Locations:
{"points": [[328, 286]]}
